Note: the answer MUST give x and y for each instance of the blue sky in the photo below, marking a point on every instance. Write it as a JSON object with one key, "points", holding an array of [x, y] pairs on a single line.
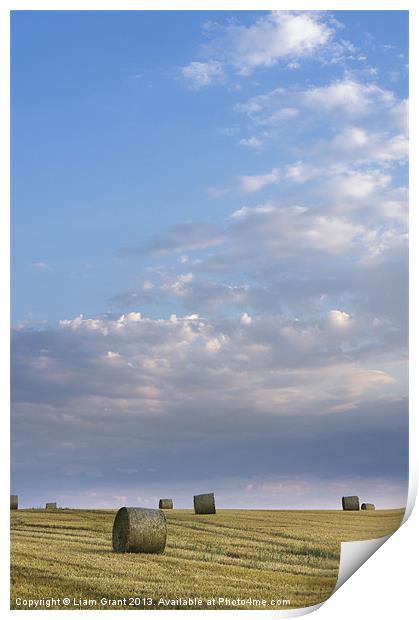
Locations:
{"points": [[209, 247]]}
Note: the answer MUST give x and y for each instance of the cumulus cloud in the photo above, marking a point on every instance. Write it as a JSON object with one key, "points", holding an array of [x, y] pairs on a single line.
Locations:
{"points": [[339, 318], [246, 319], [287, 36], [363, 146], [353, 97], [357, 184], [177, 285], [300, 172], [399, 116], [278, 35], [134, 364], [286, 231]]}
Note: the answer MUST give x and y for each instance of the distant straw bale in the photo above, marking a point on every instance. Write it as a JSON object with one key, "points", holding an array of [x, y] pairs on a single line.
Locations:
{"points": [[366, 506], [351, 502], [204, 504], [14, 503], [139, 530], [51, 506], [166, 504]]}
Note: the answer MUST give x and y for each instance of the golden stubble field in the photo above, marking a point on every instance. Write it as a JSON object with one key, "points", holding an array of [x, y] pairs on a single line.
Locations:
{"points": [[287, 558]]}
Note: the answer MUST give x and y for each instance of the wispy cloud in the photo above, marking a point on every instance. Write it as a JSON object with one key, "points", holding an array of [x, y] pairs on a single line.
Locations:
{"points": [[347, 95], [186, 237], [253, 183], [40, 266], [252, 142], [199, 74]]}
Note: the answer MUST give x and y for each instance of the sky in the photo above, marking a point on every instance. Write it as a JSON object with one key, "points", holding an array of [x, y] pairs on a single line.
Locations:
{"points": [[209, 257]]}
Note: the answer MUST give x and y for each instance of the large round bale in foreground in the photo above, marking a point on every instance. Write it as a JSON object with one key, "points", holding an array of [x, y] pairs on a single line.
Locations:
{"points": [[14, 502], [166, 504], [350, 502], [366, 506], [204, 504], [51, 506], [139, 530]]}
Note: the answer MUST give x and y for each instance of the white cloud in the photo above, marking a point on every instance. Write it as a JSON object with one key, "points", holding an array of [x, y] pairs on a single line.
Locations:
{"points": [[177, 285], [287, 231], [399, 116], [339, 318], [252, 142], [273, 108], [395, 148], [348, 97], [89, 325], [279, 116], [245, 212], [253, 183], [382, 240], [354, 97], [137, 365], [358, 184], [332, 234], [246, 319], [300, 172], [351, 137], [359, 145], [201, 74], [395, 209], [248, 183], [280, 35]]}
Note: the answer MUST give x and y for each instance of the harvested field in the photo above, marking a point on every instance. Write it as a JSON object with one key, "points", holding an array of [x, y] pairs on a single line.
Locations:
{"points": [[287, 556]]}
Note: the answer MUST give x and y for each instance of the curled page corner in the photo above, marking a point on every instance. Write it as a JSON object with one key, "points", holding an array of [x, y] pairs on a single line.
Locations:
{"points": [[353, 555]]}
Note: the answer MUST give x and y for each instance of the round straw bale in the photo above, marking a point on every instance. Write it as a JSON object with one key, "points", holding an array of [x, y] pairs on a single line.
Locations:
{"points": [[51, 506], [139, 530], [351, 502], [366, 506], [204, 504], [14, 502], [166, 504]]}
